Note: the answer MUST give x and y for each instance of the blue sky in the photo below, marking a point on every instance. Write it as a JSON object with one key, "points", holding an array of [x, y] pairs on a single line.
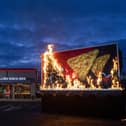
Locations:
{"points": [[27, 26]]}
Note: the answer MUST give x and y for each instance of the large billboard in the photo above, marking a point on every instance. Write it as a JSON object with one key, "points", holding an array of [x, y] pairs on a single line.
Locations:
{"points": [[81, 69]]}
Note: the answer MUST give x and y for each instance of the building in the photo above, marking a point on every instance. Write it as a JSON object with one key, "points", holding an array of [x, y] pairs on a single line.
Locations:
{"points": [[18, 82]]}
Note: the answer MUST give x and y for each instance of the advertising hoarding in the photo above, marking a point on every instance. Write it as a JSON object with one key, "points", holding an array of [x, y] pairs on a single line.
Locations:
{"points": [[81, 69]]}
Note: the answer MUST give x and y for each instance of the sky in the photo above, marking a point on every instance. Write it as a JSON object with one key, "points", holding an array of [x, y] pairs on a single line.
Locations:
{"points": [[27, 26]]}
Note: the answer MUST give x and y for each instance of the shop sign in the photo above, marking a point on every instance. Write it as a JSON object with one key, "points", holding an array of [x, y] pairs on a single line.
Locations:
{"points": [[12, 78]]}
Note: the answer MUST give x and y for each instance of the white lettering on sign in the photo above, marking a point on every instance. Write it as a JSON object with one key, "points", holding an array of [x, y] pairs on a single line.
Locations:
{"points": [[12, 78]]}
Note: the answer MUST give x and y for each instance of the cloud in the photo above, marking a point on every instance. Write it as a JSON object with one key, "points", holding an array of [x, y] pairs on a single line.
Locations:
{"points": [[26, 27]]}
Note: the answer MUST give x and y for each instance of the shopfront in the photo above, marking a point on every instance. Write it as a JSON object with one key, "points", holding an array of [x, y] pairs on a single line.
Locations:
{"points": [[18, 82]]}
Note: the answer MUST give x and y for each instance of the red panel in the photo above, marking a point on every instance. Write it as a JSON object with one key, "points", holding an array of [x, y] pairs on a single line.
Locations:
{"points": [[62, 57]]}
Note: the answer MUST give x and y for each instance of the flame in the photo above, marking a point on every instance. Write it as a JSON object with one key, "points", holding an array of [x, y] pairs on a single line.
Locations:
{"points": [[50, 64], [99, 80], [114, 75], [54, 78]]}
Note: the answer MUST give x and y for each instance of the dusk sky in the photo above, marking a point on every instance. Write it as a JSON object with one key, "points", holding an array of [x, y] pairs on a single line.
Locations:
{"points": [[27, 26]]}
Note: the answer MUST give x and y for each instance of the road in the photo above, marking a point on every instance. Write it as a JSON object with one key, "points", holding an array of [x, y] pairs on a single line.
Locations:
{"points": [[29, 114]]}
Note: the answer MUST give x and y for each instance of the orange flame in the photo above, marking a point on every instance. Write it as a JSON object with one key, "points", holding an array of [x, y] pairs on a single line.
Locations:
{"points": [[55, 79]]}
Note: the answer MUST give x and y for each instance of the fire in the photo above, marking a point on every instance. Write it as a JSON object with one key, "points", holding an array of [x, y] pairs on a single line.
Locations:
{"points": [[99, 80], [50, 66], [114, 74], [54, 78]]}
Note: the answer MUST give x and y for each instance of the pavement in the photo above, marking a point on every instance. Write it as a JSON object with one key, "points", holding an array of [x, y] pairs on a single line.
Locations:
{"points": [[20, 100], [37, 119], [20, 105], [28, 113]]}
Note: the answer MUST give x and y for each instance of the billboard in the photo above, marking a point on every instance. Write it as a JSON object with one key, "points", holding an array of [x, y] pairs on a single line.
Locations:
{"points": [[81, 69]]}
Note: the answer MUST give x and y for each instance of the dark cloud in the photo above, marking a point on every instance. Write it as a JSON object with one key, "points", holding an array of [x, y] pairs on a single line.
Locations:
{"points": [[27, 26]]}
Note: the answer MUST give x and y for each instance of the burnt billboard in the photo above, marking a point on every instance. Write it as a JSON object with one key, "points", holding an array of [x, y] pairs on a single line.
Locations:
{"points": [[94, 68]]}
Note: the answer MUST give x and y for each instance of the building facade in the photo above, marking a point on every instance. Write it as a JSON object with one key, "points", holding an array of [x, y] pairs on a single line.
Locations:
{"points": [[18, 82]]}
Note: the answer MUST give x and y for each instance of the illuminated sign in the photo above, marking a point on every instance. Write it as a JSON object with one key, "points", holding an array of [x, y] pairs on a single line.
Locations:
{"points": [[12, 78]]}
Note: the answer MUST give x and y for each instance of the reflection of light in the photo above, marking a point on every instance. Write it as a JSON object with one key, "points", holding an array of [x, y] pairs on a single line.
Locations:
{"points": [[123, 120]]}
